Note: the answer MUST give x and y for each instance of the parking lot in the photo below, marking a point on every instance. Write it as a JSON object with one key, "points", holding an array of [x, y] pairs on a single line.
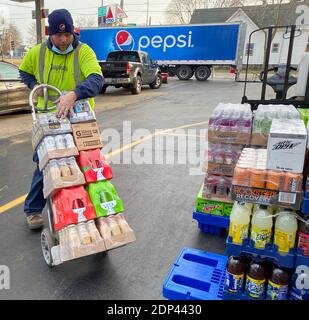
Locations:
{"points": [[159, 198]]}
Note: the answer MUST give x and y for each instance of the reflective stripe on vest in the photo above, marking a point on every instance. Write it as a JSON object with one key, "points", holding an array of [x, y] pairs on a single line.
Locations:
{"points": [[76, 65]]}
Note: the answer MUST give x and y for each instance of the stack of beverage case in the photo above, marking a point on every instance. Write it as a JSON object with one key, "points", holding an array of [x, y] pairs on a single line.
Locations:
{"points": [[87, 211], [229, 130]]}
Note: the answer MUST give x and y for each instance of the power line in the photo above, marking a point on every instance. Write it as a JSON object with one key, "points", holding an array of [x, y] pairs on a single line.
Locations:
{"points": [[15, 5]]}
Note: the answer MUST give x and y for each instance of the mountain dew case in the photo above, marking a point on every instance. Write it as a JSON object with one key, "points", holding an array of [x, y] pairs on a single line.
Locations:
{"points": [[105, 199]]}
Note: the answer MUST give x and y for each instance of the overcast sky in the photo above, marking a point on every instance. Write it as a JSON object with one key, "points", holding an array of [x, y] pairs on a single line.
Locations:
{"points": [[21, 13]]}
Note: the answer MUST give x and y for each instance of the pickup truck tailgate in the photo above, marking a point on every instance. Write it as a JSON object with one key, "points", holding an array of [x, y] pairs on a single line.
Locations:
{"points": [[114, 69]]}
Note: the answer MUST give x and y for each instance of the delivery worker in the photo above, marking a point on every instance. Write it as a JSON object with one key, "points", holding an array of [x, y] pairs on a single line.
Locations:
{"points": [[64, 62]]}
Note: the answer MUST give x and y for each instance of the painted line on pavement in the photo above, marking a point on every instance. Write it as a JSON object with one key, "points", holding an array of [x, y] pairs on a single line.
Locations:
{"points": [[21, 199]]}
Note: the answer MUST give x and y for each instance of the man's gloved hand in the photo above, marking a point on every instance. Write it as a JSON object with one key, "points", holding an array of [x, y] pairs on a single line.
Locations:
{"points": [[66, 104]]}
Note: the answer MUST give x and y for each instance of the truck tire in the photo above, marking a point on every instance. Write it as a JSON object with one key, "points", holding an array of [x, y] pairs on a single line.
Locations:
{"points": [[157, 83], [136, 87], [103, 89], [202, 73], [184, 73]]}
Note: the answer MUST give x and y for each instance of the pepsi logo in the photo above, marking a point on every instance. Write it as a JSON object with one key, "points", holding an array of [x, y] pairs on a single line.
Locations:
{"points": [[124, 40], [61, 26]]}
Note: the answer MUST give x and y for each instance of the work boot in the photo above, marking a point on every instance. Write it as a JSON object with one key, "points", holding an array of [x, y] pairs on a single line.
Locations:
{"points": [[35, 221]]}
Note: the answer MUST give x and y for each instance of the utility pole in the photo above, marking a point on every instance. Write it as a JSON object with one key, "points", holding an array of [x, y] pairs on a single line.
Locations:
{"points": [[121, 6], [147, 12], [38, 8]]}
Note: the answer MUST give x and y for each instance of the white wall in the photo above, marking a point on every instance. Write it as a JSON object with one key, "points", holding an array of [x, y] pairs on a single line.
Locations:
{"points": [[259, 39]]}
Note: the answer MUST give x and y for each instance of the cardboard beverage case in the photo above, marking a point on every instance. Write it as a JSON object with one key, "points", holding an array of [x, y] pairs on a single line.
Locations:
{"points": [[87, 136], [252, 182], [287, 145], [77, 241], [105, 198], [48, 124], [115, 231], [71, 206], [230, 124], [213, 206], [82, 112], [94, 166], [263, 118], [55, 147], [62, 173]]}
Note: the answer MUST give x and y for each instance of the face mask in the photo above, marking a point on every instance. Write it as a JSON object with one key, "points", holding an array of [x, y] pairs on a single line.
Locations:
{"points": [[66, 51]]}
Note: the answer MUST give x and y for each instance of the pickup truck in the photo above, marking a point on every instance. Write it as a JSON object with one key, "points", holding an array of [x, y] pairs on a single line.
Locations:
{"points": [[131, 70]]}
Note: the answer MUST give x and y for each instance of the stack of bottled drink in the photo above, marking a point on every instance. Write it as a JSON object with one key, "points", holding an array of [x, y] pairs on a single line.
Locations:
{"points": [[267, 227], [229, 129], [263, 119], [79, 193]]}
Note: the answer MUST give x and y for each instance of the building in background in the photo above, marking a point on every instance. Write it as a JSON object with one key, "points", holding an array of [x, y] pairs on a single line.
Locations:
{"points": [[255, 17]]}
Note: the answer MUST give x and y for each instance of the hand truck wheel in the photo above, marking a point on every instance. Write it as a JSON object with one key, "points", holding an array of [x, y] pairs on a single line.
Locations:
{"points": [[47, 242]]}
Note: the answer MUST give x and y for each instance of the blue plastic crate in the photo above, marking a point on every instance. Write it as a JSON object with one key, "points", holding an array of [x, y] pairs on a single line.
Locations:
{"points": [[212, 224], [305, 204], [301, 259], [269, 253], [196, 275]]}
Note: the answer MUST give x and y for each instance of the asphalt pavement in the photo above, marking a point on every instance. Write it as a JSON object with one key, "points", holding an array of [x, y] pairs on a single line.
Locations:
{"points": [[159, 198]]}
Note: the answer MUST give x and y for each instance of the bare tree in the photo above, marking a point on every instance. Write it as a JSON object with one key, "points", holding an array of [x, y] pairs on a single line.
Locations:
{"points": [[85, 22], [31, 37], [10, 34], [180, 11], [228, 3]]}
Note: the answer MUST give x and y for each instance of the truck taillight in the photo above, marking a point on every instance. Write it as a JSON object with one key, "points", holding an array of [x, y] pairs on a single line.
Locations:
{"points": [[129, 67]]}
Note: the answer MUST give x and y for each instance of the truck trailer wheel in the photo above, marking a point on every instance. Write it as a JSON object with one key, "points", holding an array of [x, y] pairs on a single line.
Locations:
{"points": [[184, 73], [202, 73], [137, 85]]}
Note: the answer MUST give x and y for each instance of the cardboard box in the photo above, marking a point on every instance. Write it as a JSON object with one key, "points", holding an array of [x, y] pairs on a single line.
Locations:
{"points": [[287, 145], [229, 137], [215, 206], [57, 154], [259, 140], [221, 169], [115, 231], [87, 136], [290, 200], [59, 174]]}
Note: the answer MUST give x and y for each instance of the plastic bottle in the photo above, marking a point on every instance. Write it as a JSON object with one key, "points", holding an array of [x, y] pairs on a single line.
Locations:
{"points": [[221, 190], [239, 222], [261, 227], [303, 237], [256, 281], [300, 283], [213, 121], [74, 240], [235, 275], [285, 231], [93, 231], [278, 285], [246, 122], [258, 121], [83, 233], [225, 120]]}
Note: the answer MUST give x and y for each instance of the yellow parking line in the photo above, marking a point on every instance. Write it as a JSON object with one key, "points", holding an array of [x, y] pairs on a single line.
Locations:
{"points": [[21, 199], [13, 203]]}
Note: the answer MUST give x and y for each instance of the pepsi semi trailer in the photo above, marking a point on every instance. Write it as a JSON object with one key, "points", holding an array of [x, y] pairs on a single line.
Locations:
{"points": [[184, 50]]}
